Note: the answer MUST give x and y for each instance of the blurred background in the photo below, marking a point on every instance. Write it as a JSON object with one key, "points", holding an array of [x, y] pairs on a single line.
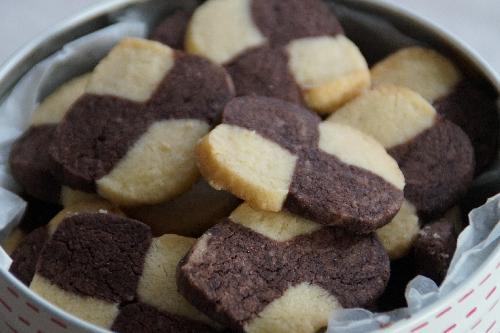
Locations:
{"points": [[475, 22]]}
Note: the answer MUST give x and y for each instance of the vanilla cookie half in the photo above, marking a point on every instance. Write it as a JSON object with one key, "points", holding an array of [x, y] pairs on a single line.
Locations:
{"points": [[276, 272], [30, 161], [435, 155], [131, 137], [399, 235], [277, 155], [455, 96]]}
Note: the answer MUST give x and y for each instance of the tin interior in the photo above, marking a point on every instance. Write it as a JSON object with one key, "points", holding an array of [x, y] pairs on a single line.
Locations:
{"points": [[417, 31]]}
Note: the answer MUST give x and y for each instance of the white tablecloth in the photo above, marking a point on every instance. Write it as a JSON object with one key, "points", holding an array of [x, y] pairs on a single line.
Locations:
{"points": [[475, 22]]}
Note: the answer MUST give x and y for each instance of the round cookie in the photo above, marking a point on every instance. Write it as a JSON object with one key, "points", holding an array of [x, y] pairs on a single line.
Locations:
{"points": [[293, 50], [171, 30], [121, 139], [277, 155], [398, 236], [435, 156], [30, 162], [275, 272], [27, 252], [189, 214], [458, 98]]}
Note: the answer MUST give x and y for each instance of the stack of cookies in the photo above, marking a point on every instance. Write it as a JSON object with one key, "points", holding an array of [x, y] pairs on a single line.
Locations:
{"points": [[244, 170]]}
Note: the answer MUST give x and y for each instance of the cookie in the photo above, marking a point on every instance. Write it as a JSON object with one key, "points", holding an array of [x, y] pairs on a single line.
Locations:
{"points": [[27, 252], [435, 245], [121, 139], [171, 30], [400, 234], [159, 307], [435, 155], [92, 264], [293, 50], [277, 155], [190, 214], [106, 269], [275, 272], [455, 96], [222, 29], [30, 162]]}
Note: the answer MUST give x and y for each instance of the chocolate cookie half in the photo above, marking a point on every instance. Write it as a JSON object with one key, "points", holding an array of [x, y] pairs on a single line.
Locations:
{"points": [[435, 155], [26, 254], [456, 97], [293, 50], [121, 139], [275, 272], [171, 30], [276, 155]]}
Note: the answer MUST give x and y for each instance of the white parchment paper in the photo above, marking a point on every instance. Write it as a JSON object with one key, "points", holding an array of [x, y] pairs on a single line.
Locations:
{"points": [[475, 243]]}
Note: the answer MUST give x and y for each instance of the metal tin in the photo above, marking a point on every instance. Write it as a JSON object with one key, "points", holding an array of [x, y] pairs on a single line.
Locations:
{"points": [[471, 307]]}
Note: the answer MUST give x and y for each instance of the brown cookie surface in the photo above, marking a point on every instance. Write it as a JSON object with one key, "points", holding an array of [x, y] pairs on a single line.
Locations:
{"points": [[30, 163], [281, 156], [96, 255], [39, 224], [172, 30], [121, 138], [248, 271], [140, 317], [25, 256], [283, 21], [438, 166], [189, 214], [435, 246], [475, 111], [264, 72]]}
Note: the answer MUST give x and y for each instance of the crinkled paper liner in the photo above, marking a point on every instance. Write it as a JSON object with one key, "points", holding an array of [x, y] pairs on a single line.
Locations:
{"points": [[474, 245]]}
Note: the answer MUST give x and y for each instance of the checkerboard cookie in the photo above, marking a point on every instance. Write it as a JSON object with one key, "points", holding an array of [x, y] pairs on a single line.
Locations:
{"points": [[293, 50], [121, 139], [435, 156], [276, 272], [277, 155], [455, 96]]}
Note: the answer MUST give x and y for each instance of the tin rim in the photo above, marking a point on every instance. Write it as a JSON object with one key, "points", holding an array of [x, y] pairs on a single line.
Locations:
{"points": [[8, 77]]}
